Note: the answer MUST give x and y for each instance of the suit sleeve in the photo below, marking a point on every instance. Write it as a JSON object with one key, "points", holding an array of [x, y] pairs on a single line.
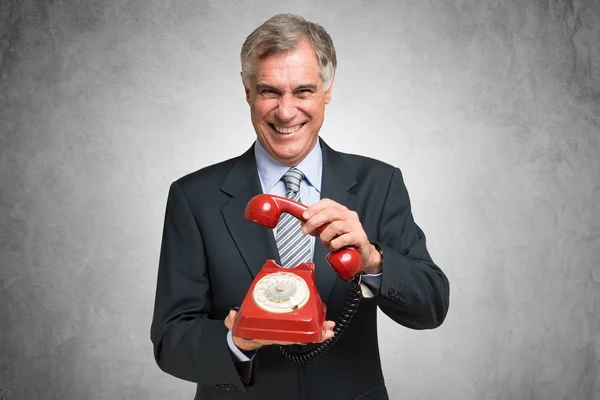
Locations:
{"points": [[187, 343], [414, 291]]}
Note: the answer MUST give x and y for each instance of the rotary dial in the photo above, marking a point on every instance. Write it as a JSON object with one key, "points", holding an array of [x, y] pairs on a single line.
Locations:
{"points": [[281, 292]]}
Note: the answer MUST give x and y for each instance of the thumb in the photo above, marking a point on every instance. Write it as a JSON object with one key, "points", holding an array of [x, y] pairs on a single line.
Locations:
{"points": [[230, 318]]}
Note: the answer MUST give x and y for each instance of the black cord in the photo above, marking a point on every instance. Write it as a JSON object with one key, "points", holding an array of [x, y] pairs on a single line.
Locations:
{"points": [[308, 356]]}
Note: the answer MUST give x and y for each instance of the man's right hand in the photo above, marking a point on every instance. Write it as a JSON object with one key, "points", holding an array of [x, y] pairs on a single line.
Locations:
{"points": [[250, 345]]}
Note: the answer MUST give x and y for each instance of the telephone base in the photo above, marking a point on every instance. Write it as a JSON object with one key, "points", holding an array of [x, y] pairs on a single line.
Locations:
{"points": [[261, 319]]}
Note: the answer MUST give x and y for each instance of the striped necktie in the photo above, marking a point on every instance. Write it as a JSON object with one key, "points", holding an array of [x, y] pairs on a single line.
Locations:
{"points": [[293, 245]]}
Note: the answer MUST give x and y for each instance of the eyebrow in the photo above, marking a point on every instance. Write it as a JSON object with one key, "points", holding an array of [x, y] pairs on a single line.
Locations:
{"points": [[309, 86], [261, 86]]}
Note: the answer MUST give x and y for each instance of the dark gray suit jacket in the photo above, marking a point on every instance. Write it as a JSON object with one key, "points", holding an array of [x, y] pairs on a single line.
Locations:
{"points": [[210, 254]]}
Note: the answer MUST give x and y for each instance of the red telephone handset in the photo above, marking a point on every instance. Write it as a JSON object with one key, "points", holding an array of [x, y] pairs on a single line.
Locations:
{"points": [[265, 209], [283, 304]]}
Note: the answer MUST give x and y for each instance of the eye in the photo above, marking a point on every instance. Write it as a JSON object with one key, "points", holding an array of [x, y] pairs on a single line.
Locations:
{"points": [[269, 93], [304, 92]]}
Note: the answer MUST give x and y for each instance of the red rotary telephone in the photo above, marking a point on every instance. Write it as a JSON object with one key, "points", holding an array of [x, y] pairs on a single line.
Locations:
{"points": [[283, 304]]}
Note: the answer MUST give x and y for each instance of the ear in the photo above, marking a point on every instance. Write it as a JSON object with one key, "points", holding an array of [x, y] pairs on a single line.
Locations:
{"points": [[328, 92], [246, 89]]}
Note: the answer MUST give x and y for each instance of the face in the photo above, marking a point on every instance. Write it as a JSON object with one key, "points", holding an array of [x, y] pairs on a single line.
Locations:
{"points": [[287, 103]]}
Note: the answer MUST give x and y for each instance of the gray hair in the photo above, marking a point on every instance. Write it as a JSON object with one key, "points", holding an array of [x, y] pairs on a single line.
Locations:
{"points": [[282, 33]]}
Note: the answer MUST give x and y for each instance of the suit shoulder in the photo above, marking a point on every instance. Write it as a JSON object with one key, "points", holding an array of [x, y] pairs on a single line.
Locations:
{"points": [[363, 163], [209, 176]]}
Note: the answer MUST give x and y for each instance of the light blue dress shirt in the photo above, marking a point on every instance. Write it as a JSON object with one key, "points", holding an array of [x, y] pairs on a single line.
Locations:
{"points": [[270, 173]]}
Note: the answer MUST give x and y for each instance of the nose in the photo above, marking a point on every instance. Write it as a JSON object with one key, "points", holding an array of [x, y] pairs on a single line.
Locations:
{"points": [[286, 108]]}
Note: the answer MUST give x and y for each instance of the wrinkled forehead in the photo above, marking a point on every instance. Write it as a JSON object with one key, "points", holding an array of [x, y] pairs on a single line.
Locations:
{"points": [[297, 62]]}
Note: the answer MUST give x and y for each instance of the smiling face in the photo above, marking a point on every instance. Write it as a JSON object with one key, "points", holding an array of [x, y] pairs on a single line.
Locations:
{"points": [[287, 103]]}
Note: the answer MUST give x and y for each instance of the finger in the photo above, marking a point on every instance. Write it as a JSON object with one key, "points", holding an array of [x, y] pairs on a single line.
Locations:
{"points": [[328, 334], [273, 342], [327, 331], [315, 222], [329, 325], [333, 230], [320, 206], [347, 239]]}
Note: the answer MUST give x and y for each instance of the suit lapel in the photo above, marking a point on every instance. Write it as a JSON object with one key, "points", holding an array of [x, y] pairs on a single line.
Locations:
{"points": [[255, 243], [336, 182]]}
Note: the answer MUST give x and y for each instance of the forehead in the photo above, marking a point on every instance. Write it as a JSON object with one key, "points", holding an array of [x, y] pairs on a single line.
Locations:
{"points": [[294, 66]]}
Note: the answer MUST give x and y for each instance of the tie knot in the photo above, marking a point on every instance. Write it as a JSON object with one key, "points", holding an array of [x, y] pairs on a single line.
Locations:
{"points": [[292, 180]]}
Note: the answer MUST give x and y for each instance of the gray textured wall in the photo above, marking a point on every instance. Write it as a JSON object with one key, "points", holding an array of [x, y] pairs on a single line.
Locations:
{"points": [[491, 108]]}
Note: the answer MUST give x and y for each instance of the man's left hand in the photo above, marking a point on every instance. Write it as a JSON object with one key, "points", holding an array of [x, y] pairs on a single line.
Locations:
{"points": [[344, 229]]}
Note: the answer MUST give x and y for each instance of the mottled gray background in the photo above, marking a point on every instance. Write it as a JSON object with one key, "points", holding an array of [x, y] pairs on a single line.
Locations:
{"points": [[491, 109]]}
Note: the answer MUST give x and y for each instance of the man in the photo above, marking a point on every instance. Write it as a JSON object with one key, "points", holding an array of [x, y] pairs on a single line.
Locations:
{"points": [[210, 253]]}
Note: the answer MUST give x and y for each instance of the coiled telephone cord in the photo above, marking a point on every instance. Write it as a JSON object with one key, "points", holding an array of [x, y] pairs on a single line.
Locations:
{"points": [[308, 356]]}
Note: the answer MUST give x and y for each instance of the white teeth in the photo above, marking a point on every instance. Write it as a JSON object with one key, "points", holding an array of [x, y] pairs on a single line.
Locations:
{"points": [[287, 130]]}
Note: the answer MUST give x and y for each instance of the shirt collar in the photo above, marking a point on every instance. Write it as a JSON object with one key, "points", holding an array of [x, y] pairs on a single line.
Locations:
{"points": [[270, 171]]}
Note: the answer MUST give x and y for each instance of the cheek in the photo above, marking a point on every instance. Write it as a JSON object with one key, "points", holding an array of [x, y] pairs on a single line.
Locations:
{"points": [[315, 109], [316, 114], [262, 109]]}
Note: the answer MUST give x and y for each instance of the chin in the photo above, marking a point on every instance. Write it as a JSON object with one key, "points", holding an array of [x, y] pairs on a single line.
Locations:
{"points": [[288, 159]]}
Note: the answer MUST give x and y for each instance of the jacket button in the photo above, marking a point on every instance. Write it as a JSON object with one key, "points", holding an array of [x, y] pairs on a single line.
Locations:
{"points": [[392, 294]]}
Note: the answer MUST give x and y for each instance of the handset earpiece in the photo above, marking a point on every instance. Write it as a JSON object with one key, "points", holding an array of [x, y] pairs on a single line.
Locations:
{"points": [[265, 209]]}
